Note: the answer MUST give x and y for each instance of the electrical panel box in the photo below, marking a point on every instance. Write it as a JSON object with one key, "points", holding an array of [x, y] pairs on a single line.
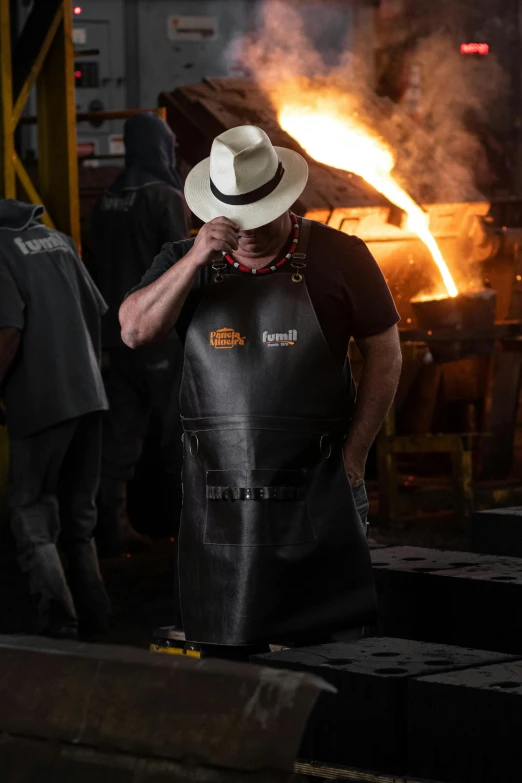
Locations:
{"points": [[99, 71], [186, 41], [127, 52]]}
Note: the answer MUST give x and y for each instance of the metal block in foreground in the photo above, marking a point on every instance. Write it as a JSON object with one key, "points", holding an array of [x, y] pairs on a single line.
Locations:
{"points": [[210, 713], [460, 598], [497, 531], [464, 726], [365, 724]]}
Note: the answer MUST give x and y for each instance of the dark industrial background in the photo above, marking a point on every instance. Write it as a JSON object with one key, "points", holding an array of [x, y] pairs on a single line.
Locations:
{"points": [[451, 448], [130, 55]]}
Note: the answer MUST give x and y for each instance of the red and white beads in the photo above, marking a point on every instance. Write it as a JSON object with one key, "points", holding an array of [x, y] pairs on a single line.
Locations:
{"points": [[271, 267]]}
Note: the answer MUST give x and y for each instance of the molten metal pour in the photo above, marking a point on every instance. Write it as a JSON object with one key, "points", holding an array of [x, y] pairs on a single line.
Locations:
{"points": [[338, 140]]}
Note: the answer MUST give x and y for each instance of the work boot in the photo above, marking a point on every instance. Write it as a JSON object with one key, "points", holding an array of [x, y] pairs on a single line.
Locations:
{"points": [[114, 532], [56, 613], [60, 628], [90, 597]]}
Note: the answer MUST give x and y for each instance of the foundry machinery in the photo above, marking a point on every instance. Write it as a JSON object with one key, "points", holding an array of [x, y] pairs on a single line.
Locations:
{"points": [[458, 402]]}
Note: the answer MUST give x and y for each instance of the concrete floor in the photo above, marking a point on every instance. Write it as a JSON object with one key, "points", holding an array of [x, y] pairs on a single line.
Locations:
{"points": [[140, 587]]}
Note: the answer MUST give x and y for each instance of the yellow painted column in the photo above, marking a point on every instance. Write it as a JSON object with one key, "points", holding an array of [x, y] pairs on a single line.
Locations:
{"points": [[7, 184], [7, 173], [58, 162]]}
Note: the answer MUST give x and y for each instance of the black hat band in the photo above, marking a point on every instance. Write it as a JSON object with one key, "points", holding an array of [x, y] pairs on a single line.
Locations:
{"points": [[254, 195]]}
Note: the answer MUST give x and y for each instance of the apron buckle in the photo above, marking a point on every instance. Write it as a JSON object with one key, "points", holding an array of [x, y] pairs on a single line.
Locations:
{"points": [[218, 269], [297, 265]]}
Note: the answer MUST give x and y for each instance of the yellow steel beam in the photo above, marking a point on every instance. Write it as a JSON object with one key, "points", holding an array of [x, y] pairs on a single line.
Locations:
{"points": [[57, 158], [462, 464], [390, 445], [7, 174], [123, 114], [426, 444], [23, 95], [31, 192]]}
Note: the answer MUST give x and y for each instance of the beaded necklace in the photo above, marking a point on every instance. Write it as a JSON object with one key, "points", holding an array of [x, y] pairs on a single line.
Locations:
{"points": [[271, 267]]}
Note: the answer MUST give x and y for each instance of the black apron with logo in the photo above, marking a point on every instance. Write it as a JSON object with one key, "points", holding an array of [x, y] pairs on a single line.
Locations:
{"points": [[271, 546]]}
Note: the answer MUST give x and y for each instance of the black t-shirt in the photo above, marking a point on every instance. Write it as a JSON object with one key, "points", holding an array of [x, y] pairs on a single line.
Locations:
{"points": [[128, 230], [46, 293], [347, 288]]}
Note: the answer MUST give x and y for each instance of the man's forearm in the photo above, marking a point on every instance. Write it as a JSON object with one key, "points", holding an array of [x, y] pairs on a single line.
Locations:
{"points": [[377, 386], [375, 394], [150, 314]]}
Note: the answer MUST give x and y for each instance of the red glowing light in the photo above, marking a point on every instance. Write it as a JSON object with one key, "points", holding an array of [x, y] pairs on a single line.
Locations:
{"points": [[78, 74], [77, 10], [474, 48]]}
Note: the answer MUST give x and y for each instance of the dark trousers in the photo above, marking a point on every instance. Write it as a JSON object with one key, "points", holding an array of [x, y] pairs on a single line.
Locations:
{"points": [[139, 383], [53, 481]]}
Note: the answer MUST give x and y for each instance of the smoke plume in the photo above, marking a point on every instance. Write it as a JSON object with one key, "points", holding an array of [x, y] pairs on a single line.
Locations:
{"points": [[305, 47]]}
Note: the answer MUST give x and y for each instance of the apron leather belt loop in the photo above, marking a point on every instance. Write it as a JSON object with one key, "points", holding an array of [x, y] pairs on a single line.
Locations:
{"points": [[255, 493]]}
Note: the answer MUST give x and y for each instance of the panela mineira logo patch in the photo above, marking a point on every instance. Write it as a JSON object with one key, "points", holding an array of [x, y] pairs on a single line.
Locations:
{"points": [[226, 338], [280, 338]]}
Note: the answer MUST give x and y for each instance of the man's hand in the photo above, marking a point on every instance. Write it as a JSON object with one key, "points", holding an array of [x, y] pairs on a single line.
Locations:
{"points": [[217, 236], [150, 314], [354, 464]]}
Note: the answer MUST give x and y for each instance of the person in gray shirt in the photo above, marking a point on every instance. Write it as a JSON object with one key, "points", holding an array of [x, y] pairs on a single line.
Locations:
{"points": [[53, 392]]}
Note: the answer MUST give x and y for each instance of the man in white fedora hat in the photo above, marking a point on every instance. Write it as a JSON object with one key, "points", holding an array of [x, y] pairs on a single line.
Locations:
{"points": [[273, 545]]}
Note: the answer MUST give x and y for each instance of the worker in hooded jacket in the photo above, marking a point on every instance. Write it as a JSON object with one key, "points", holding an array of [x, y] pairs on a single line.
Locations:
{"points": [[53, 391], [273, 547], [142, 209]]}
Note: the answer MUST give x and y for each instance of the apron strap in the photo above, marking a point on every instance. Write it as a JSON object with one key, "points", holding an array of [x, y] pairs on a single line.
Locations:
{"points": [[298, 258], [302, 243]]}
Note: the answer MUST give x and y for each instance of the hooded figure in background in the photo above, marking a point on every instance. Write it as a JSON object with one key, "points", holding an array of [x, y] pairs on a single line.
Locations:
{"points": [[143, 209], [52, 387]]}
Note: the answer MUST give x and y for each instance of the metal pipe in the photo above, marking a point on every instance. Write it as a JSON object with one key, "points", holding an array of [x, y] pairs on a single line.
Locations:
{"points": [[104, 115], [86, 52]]}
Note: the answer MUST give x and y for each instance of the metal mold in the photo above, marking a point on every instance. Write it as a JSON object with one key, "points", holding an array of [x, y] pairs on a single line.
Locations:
{"points": [[468, 310], [470, 319]]}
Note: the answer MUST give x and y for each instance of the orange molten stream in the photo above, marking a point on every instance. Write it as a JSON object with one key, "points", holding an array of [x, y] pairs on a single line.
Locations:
{"points": [[337, 139]]}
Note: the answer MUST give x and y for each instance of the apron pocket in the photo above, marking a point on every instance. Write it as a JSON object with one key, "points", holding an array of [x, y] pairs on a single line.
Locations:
{"points": [[257, 508]]}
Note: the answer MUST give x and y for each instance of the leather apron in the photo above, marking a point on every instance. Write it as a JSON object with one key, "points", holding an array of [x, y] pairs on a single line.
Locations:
{"points": [[271, 546]]}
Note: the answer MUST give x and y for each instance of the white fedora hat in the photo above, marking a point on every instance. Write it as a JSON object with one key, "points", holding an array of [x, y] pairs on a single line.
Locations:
{"points": [[246, 179]]}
